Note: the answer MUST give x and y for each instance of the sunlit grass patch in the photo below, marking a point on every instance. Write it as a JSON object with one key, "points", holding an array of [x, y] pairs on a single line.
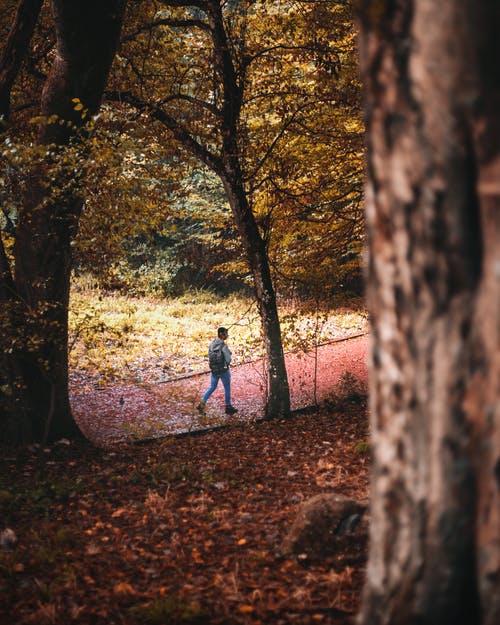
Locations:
{"points": [[115, 336]]}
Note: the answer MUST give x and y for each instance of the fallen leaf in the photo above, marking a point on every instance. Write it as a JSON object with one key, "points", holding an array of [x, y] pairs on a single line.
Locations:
{"points": [[123, 588]]}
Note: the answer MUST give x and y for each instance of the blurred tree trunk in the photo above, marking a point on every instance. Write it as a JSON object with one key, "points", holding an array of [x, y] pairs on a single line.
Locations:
{"points": [[35, 404], [433, 216]]}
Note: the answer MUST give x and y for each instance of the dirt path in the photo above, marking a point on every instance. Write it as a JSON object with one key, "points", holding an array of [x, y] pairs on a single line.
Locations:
{"points": [[125, 411]]}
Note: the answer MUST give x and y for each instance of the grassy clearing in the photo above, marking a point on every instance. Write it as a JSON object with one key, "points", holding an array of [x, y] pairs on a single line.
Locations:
{"points": [[113, 336]]}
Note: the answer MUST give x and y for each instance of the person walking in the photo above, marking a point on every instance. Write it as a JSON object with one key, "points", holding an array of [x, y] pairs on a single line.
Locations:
{"points": [[219, 358]]}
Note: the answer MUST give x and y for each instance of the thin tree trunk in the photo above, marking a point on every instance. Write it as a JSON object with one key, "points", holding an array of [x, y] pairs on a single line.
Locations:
{"points": [[87, 37], [278, 401], [278, 398], [433, 295]]}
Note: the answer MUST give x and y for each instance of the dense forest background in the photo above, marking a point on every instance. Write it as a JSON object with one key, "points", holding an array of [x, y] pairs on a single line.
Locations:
{"points": [[156, 218]]}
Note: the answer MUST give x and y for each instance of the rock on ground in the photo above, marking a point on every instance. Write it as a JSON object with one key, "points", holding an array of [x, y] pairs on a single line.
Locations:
{"points": [[322, 523]]}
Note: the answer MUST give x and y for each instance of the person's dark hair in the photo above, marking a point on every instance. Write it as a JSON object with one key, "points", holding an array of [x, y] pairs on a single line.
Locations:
{"points": [[221, 331]]}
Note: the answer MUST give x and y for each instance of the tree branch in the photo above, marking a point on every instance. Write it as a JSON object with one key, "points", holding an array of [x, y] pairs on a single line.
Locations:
{"points": [[187, 140], [273, 143], [179, 131], [232, 90], [249, 59], [173, 23], [15, 49], [195, 101], [200, 4]]}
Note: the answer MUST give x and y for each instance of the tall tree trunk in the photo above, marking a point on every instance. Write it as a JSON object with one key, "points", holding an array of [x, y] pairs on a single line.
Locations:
{"points": [[433, 294], [87, 37], [278, 401]]}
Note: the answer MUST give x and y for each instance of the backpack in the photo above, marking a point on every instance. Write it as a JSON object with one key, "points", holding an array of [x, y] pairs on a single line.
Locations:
{"points": [[216, 359]]}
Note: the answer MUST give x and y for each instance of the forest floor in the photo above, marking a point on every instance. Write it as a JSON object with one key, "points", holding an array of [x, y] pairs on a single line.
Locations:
{"points": [[187, 528], [183, 530]]}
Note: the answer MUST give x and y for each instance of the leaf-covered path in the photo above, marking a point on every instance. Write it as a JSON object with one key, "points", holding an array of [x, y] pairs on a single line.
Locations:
{"points": [[130, 411]]}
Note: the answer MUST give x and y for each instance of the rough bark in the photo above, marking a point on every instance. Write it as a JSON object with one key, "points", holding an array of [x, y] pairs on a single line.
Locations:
{"points": [[15, 50], [433, 294], [87, 37]]}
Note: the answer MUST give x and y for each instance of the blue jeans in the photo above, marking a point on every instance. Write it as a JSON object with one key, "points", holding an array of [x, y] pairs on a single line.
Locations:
{"points": [[226, 382]]}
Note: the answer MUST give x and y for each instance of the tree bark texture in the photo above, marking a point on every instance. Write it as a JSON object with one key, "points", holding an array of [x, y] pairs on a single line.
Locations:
{"points": [[433, 224], [15, 50], [87, 38]]}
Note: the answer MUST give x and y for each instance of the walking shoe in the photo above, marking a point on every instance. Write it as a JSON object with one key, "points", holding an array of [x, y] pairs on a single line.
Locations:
{"points": [[231, 410], [201, 407]]}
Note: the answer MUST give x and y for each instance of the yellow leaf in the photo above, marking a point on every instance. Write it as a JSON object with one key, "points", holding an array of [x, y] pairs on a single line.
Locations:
{"points": [[245, 609]]}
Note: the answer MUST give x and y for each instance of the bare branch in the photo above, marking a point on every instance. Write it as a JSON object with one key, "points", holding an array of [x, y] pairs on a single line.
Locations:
{"points": [[200, 4]]}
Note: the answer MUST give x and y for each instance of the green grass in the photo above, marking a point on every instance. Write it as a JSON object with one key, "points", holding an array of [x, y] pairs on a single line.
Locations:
{"points": [[112, 335]]}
